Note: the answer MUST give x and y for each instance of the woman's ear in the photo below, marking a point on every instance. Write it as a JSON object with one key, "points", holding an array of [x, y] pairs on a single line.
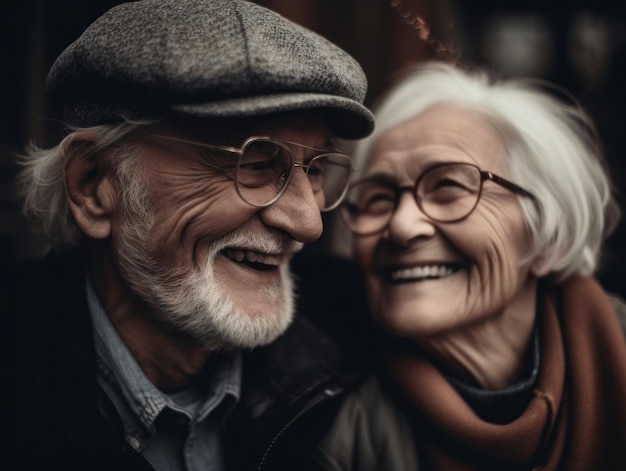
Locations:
{"points": [[537, 267], [90, 191]]}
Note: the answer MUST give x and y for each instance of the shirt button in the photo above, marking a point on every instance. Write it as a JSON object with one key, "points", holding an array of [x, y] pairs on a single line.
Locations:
{"points": [[134, 442]]}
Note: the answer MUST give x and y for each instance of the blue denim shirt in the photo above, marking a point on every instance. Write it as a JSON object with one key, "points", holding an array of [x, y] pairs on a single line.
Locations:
{"points": [[179, 431]]}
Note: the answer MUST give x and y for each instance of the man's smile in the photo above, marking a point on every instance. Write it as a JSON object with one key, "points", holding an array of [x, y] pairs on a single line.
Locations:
{"points": [[256, 260]]}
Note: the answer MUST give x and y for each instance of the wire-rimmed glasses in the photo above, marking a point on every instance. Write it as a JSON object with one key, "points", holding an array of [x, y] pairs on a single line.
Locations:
{"points": [[446, 192], [264, 168]]}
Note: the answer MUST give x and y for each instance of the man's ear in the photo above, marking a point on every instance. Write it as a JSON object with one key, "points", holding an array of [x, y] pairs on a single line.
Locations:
{"points": [[91, 195]]}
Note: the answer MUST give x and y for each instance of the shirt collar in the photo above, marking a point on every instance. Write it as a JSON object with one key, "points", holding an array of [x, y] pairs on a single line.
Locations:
{"points": [[144, 400]]}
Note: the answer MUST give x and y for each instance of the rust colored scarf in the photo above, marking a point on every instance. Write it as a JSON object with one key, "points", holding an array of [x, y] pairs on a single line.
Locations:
{"points": [[576, 420]]}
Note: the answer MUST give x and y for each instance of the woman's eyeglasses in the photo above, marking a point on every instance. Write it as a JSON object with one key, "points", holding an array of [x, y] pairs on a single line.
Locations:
{"points": [[445, 193]]}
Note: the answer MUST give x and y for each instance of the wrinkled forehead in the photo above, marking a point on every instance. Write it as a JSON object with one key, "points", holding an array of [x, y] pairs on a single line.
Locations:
{"points": [[442, 133]]}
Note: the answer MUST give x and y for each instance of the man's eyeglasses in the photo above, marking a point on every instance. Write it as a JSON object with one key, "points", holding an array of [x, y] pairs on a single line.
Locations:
{"points": [[264, 168], [445, 193]]}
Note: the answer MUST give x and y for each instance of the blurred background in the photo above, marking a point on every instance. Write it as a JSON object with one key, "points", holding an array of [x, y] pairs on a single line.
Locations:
{"points": [[578, 44]]}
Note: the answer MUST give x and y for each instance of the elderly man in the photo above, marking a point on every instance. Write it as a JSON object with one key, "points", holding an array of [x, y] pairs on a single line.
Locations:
{"points": [[202, 148]]}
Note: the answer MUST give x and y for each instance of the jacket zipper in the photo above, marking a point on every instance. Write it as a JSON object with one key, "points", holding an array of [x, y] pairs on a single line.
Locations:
{"points": [[326, 394]]}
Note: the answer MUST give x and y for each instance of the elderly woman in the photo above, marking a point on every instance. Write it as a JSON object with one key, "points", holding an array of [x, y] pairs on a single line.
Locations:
{"points": [[478, 218]]}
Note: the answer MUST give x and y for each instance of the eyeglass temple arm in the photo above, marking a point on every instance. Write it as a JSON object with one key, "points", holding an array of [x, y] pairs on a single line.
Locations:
{"points": [[506, 184], [229, 149]]}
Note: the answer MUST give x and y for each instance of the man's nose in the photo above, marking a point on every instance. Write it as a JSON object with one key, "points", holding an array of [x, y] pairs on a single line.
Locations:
{"points": [[297, 211]]}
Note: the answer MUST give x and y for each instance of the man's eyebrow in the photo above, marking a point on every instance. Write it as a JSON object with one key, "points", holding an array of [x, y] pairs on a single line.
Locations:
{"points": [[334, 143]]}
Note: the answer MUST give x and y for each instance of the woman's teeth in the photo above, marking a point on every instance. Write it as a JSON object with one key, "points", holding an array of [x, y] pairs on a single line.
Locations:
{"points": [[422, 272]]}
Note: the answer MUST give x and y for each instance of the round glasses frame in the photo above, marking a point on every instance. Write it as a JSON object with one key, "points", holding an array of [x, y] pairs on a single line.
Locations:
{"points": [[484, 176], [344, 161]]}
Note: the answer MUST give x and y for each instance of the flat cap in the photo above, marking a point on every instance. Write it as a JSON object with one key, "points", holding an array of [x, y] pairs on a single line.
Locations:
{"points": [[205, 58]]}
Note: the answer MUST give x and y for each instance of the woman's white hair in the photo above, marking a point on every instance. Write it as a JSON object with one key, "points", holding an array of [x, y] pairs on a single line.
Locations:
{"points": [[41, 181], [552, 150]]}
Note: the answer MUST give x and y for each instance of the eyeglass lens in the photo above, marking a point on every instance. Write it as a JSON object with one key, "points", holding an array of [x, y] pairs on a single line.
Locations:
{"points": [[265, 168], [449, 192], [446, 193], [262, 171]]}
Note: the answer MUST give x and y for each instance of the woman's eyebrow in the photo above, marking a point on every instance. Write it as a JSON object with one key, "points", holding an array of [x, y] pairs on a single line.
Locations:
{"points": [[382, 178]]}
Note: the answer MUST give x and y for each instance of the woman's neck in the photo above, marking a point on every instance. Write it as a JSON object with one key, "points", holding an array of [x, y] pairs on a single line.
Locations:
{"points": [[492, 353]]}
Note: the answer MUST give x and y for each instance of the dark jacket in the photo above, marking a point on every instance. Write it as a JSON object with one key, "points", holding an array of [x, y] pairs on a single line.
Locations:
{"points": [[52, 404]]}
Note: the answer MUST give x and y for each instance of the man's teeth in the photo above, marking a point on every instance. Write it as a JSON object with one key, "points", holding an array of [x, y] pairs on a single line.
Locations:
{"points": [[427, 271], [254, 257]]}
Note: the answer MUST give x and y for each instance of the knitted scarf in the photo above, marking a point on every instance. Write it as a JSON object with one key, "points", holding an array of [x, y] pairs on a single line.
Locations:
{"points": [[576, 420]]}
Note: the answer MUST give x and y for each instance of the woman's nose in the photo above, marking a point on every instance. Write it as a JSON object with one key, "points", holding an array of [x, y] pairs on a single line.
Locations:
{"points": [[408, 222]]}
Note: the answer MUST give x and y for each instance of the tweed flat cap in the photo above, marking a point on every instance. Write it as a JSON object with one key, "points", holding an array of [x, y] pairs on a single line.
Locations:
{"points": [[205, 58]]}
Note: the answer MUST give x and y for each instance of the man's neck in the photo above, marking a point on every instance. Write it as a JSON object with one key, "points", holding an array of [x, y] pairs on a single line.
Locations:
{"points": [[169, 361]]}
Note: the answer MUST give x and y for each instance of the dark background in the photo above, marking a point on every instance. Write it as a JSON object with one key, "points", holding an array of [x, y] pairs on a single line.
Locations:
{"points": [[580, 45]]}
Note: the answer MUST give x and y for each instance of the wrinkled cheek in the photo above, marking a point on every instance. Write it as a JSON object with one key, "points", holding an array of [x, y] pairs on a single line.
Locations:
{"points": [[479, 281], [491, 283]]}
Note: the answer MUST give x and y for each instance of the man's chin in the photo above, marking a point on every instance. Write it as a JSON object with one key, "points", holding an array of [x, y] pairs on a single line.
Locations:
{"points": [[247, 331]]}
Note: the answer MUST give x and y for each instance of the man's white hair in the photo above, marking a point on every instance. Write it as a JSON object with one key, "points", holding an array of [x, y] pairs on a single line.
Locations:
{"points": [[41, 181]]}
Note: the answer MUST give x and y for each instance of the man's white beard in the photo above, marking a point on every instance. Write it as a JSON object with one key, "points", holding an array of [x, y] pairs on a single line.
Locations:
{"points": [[191, 301]]}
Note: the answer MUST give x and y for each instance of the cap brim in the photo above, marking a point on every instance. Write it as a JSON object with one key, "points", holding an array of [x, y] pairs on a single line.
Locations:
{"points": [[345, 117]]}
